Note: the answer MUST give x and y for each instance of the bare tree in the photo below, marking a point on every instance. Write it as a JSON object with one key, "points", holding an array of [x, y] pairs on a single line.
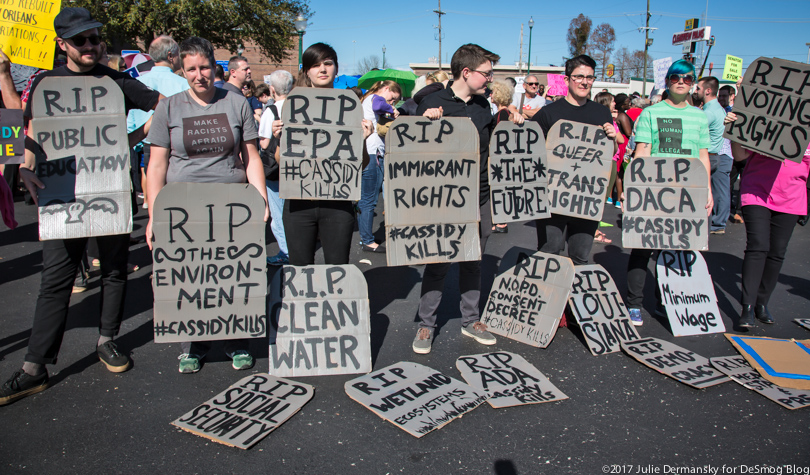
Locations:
{"points": [[601, 45], [637, 64], [368, 63], [578, 32], [631, 64], [622, 64]]}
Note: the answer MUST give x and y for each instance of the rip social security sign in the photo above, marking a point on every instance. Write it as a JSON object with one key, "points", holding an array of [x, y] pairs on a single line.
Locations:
{"points": [[599, 310], [80, 125], [771, 109], [518, 173], [579, 160], [687, 292], [665, 204], [415, 398], [209, 277], [431, 191], [323, 324], [321, 145], [528, 297]]}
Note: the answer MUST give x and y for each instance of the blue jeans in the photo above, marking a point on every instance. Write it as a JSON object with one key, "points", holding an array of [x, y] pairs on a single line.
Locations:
{"points": [[370, 193], [276, 211], [721, 189]]}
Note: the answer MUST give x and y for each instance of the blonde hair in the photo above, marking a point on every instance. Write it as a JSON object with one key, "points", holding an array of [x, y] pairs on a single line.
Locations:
{"points": [[392, 85], [437, 76], [502, 93]]}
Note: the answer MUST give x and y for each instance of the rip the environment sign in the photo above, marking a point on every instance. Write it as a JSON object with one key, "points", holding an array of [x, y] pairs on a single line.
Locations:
{"points": [[415, 398], [323, 324], [528, 297], [687, 292], [431, 191], [599, 310], [321, 145], [579, 160], [80, 125], [665, 204], [678, 363], [246, 412], [770, 109], [209, 276], [518, 173]]}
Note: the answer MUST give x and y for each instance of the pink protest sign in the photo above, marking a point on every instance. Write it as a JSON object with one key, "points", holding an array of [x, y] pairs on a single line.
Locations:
{"points": [[556, 85]]}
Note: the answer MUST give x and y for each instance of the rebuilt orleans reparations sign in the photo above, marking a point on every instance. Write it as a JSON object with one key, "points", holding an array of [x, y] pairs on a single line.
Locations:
{"points": [[678, 363], [431, 191], [518, 173], [80, 124], [687, 292], [665, 204], [321, 145], [209, 275]]}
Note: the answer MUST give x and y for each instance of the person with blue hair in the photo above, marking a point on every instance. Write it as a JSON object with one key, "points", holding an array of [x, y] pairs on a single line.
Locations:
{"points": [[686, 135]]}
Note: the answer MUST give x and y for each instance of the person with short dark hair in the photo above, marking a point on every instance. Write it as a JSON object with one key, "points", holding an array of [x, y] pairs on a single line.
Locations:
{"points": [[719, 159], [219, 76], [726, 97]]}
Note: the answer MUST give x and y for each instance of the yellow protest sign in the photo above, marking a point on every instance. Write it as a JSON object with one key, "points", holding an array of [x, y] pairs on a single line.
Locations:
{"points": [[26, 31], [732, 70]]}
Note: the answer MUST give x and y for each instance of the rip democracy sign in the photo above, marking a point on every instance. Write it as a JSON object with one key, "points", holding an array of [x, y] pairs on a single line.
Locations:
{"points": [[528, 296], [80, 125], [579, 161], [518, 178], [246, 412], [323, 321], [431, 191], [676, 362], [687, 292], [321, 148], [665, 204], [770, 109], [415, 398], [599, 310], [738, 369], [12, 136], [507, 379], [209, 275]]}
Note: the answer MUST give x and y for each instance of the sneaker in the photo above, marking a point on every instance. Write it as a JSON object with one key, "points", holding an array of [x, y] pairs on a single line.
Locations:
{"points": [[635, 317], [279, 259], [116, 361], [618, 204], [22, 384], [609, 201], [189, 363], [478, 331], [718, 231], [242, 360], [423, 341], [80, 282]]}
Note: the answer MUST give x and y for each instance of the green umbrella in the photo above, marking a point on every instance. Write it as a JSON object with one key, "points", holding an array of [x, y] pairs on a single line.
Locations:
{"points": [[405, 79]]}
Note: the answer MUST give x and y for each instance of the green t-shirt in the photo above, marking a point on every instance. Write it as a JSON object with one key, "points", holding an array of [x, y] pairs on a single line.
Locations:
{"points": [[715, 115], [673, 132]]}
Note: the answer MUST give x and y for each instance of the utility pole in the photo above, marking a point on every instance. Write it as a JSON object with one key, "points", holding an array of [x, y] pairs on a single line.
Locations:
{"points": [[529, 66], [439, 12], [646, 46], [520, 55]]}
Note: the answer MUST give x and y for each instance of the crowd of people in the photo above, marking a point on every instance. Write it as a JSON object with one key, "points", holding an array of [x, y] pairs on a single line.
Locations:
{"points": [[185, 82]]}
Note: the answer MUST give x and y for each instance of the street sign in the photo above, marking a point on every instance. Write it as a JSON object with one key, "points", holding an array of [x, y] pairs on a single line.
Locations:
{"points": [[700, 34], [691, 24], [609, 70]]}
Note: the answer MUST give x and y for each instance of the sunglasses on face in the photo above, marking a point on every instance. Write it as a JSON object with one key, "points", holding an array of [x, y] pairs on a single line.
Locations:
{"points": [[688, 79], [531, 83], [79, 41]]}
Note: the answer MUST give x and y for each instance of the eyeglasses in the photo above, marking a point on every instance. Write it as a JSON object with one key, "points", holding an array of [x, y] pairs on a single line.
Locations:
{"points": [[580, 78], [79, 41], [688, 79], [531, 83], [487, 74]]}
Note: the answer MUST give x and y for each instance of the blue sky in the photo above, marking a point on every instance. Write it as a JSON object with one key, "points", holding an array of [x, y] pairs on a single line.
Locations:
{"points": [[744, 28]]}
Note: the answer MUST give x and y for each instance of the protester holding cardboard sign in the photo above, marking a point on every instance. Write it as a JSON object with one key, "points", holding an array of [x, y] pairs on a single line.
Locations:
{"points": [[205, 134], [671, 128]]}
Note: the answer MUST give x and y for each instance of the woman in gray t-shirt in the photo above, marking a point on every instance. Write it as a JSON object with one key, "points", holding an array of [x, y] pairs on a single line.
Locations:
{"points": [[203, 135]]}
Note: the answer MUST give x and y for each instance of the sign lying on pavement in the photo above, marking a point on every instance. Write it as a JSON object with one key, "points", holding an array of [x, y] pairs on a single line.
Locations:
{"points": [[738, 369], [676, 362]]}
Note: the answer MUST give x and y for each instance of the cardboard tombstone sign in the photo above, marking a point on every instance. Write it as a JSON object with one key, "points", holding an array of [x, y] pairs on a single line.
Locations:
{"points": [[321, 321], [247, 411], [599, 310], [321, 145], [803, 322], [687, 292], [738, 369], [209, 272], [528, 296], [80, 124], [579, 160], [770, 109], [12, 136], [783, 362], [518, 178], [415, 398], [665, 204], [431, 191], [676, 362], [507, 379]]}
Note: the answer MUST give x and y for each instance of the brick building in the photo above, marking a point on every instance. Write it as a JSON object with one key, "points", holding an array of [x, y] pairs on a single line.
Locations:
{"points": [[261, 65]]}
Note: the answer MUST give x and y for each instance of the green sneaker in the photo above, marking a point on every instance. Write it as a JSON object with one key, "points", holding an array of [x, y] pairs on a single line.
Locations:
{"points": [[242, 360], [189, 363], [423, 341], [478, 332]]}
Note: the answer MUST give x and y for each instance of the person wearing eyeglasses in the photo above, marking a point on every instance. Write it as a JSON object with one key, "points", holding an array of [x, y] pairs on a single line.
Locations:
{"points": [[77, 34], [687, 136], [531, 101]]}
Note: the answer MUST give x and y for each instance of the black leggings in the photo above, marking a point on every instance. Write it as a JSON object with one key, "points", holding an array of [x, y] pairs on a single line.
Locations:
{"points": [[768, 233], [307, 221]]}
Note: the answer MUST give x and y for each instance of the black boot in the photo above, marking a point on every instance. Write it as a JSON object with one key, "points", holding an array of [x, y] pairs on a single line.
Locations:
{"points": [[762, 314], [747, 316]]}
